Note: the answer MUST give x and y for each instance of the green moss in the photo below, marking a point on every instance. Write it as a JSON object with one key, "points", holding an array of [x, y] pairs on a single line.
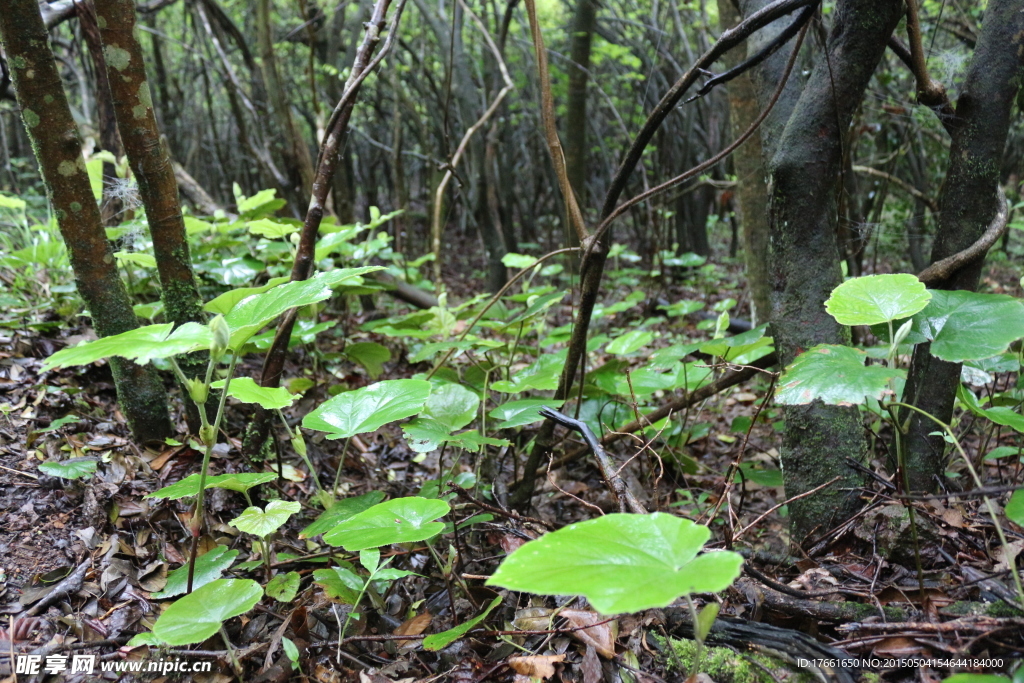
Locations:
{"points": [[31, 118], [727, 666], [76, 207], [18, 62], [67, 168]]}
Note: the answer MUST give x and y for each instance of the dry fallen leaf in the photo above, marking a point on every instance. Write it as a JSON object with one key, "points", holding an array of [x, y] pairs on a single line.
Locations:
{"points": [[540, 666], [412, 627], [601, 637]]}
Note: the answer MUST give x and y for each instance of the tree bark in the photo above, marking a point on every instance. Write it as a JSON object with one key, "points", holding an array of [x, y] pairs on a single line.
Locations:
{"points": [[298, 163], [966, 206], [58, 148], [752, 192], [804, 256], [583, 23]]}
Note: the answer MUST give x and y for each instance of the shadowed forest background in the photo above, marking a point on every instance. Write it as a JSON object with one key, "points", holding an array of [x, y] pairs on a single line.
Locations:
{"points": [[436, 339]]}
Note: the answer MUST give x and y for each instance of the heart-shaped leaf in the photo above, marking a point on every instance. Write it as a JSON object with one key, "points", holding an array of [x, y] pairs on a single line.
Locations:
{"points": [[970, 326], [449, 407], [621, 562], [522, 412], [370, 355], [875, 299], [189, 486], [197, 616], [252, 313], [74, 468], [246, 390], [141, 345], [340, 583], [265, 522], [209, 566], [368, 409], [340, 511], [835, 375], [226, 301], [402, 520], [283, 587]]}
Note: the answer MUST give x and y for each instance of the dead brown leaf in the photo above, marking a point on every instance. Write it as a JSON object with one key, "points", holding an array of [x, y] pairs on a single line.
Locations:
{"points": [[412, 627], [601, 637], [540, 666]]}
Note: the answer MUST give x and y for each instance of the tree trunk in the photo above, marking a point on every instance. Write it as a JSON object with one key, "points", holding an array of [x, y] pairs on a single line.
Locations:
{"points": [[295, 152], [583, 23], [804, 256], [966, 206], [752, 192], [58, 147]]}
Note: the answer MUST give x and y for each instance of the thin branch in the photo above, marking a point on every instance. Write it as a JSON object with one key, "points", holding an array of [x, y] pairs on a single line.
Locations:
{"points": [[940, 271]]}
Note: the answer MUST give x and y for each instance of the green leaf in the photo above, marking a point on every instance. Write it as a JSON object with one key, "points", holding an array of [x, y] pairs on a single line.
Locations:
{"points": [[271, 229], [370, 355], [451, 405], [197, 616], [139, 259], [283, 587], [835, 375], [684, 307], [969, 326], [246, 390], [522, 412], [226, 301], [621, 562], [976, 678], [439, 641], [1002, 452], [74, 468], [141, 345], [368, 409], [340, 511], [877, 299], [291, 650], [630, 342], [209, 566], [1015, 508], [252, 313], [706, 619], [1004, 415], [262, 523], [520, 261], [339, 583], [189, 486], [402, 520]]}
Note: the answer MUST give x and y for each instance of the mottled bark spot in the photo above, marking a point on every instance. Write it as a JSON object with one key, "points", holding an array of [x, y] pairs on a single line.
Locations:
{"points": [[18, 62], [117, 57], [67, 168], [76, 207], [31, 118]]}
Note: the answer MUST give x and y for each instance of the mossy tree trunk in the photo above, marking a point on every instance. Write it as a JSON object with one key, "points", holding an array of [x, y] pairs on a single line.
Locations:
{"points": [[804, 256], [150, 161], [967, 204], [58, 148]]}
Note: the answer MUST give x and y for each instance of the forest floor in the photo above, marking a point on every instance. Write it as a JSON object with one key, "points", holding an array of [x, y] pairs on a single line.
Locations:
{"points": [[82, 559]]}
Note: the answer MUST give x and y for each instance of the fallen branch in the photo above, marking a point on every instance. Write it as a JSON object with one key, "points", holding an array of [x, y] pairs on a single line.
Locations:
{"points": [[70, 584]]}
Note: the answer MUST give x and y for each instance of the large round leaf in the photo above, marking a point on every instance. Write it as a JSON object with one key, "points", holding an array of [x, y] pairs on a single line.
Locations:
{"points": [[250, 314], [141, 345], [246, 390], [265, 522], [368, 409], [199, 615], [835, 375], [402, 520], [877, 299], [621, 562], [969, 326]]}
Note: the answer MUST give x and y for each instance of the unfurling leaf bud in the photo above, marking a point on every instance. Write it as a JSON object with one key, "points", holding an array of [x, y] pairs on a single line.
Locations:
{"points": [[298, 443], [221, 336], [208, 434], [197, 390]]}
